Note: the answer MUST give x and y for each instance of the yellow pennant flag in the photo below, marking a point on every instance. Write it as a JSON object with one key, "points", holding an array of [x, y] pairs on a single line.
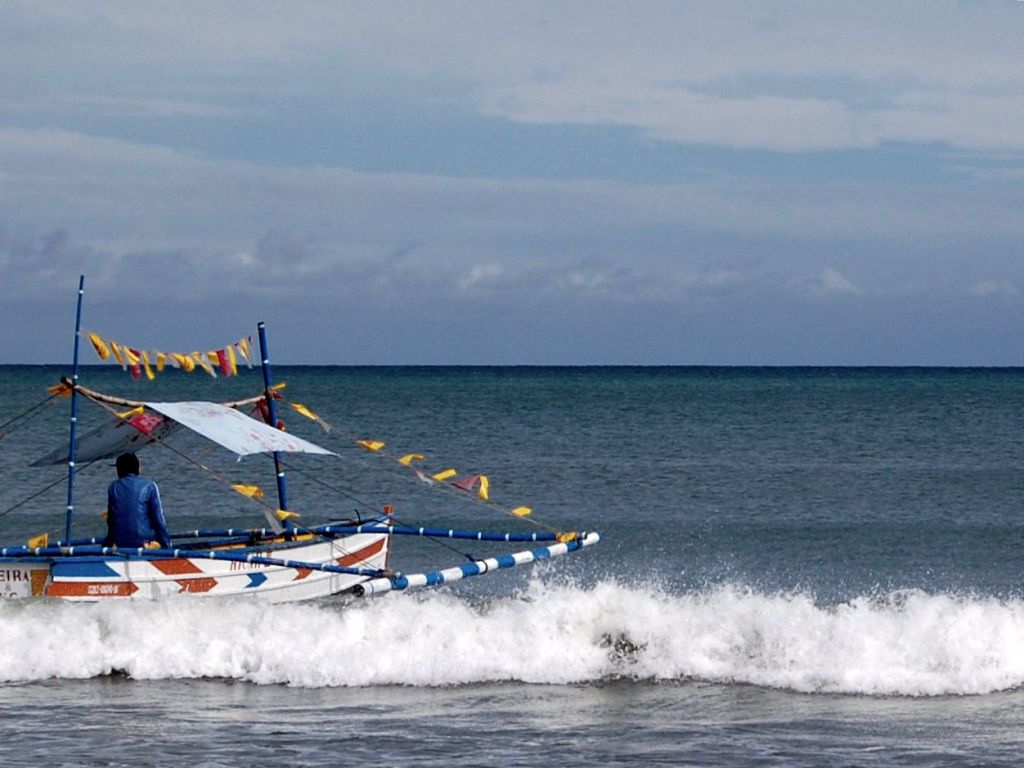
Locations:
{"points": [[252, 491], [130, 356], [115, 350], [199, 360], [285, 514], [161, 361], [371, 445], [310, 415], [99, 345], [232, 361], [39, 541], [59, 390], [566, 537], [409, 458], [521, 511], [304, 411], [186, 363], [485, 487], [145, 366], [243, 346], [137, 411], [444, 475]]}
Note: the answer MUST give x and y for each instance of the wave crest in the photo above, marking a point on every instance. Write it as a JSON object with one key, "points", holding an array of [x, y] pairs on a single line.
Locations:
{"points": [[904, 643]]}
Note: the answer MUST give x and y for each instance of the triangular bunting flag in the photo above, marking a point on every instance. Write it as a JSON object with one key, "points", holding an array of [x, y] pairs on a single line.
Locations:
{"points": [[99, 345], [252, 491]]}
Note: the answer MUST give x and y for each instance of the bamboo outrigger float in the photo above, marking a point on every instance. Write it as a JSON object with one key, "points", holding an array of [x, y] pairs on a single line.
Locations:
{"points": [[280, 563]]}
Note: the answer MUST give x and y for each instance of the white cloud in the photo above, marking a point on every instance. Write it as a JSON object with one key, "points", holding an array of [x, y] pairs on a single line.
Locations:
{"points": [[682, 115], [480, 275], [825, 282], [987, 288], [769, 121], [834, 281], [185, 217], [794, 75]]}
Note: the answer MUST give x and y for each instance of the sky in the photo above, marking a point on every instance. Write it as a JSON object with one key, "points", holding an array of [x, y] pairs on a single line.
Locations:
{"points": [[517, 183]]}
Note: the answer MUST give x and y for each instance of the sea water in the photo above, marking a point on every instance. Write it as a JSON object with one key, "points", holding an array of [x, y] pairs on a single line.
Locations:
{"points": [[798, 567]]}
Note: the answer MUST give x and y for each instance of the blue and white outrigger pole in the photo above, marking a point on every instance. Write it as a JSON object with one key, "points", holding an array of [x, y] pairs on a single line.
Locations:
{"points": [[268, 383], [74, 413]]}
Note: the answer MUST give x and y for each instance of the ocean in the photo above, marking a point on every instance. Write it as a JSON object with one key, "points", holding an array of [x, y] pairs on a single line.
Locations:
{"points": [[798, 567]]}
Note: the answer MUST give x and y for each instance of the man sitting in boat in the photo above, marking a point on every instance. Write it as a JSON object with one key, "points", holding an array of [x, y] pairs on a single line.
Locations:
{"points": [[135, 517]]}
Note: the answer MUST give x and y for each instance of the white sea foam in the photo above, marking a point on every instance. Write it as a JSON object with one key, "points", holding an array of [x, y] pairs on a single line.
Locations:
{"points": [[907, 643]]}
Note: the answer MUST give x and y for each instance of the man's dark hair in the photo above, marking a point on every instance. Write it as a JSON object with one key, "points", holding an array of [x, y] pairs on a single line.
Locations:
{"points": [[127, 464]]}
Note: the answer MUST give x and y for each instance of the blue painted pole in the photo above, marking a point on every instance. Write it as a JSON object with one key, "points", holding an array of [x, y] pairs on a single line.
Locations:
{"points": [[437, 533], [476, 568], [268, 383], [74, 413]]}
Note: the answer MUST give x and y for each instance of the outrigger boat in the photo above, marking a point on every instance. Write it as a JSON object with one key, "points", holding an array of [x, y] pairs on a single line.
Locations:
{"points": [[283, 562]]}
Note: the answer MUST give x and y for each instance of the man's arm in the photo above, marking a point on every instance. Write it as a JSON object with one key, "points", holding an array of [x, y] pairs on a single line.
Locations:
{"points": [[156, 517], [109, 540]]}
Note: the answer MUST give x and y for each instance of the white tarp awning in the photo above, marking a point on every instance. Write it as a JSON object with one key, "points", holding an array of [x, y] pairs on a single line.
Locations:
{"points": [[108, 440], [233, 430]]}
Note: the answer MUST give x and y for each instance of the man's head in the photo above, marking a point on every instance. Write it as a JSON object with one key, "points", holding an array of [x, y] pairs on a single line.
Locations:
{"points": [[127, 464]]}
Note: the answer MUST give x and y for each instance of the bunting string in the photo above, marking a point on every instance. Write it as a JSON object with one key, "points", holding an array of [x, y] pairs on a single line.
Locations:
{"points": [[147, 362], [475, 487]]}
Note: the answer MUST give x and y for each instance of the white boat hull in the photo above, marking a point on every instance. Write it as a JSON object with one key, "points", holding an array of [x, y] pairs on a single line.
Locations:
{"points": [[92, 579]]}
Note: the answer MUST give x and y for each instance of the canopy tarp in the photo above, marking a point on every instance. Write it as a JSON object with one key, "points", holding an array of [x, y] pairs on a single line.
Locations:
{"points": [[108, 440], [235, 431]]}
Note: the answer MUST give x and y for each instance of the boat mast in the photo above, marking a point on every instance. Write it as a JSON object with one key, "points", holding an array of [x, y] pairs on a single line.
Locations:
{"points": [[268, 383], [74, 413]]}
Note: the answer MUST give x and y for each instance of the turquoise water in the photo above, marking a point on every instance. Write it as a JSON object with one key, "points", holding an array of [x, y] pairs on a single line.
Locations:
{"points": [[799, 566]]}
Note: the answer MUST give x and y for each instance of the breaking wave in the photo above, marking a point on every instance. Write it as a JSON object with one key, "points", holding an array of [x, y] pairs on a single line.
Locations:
{"points": [[904, 643]]}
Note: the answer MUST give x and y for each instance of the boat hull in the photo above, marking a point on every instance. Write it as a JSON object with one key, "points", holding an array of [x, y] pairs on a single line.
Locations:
{"points": [[103, 578]]}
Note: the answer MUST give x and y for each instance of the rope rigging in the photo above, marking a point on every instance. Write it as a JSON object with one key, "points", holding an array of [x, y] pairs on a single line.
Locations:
{"points": [[318, 481], [377, 448], [107, 403], [27, 415], [39, 493]]}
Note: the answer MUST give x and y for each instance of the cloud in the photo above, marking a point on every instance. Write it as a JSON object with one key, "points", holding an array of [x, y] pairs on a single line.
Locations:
{"points": [[834, 281], [480, 275], [199, 224], [768, 120], [797, 76], [988, 288], [790, 77], [505, 168], [825, 282]]}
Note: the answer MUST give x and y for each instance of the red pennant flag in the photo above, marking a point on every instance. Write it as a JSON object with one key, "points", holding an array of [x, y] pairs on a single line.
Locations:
{"points": [[147, 422], [466, 483], [136, 358], [264, 411], [224, 362]]}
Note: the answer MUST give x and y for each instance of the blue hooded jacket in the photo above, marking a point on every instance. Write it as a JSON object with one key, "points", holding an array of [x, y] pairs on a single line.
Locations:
{"points": [[134, 513]]}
